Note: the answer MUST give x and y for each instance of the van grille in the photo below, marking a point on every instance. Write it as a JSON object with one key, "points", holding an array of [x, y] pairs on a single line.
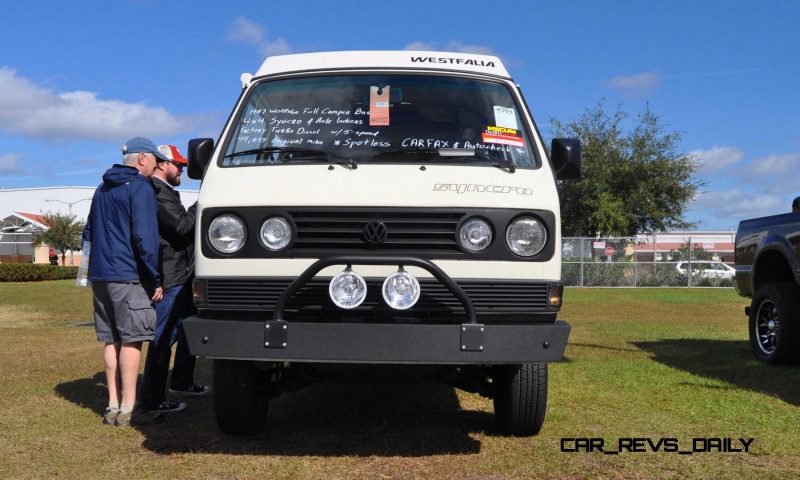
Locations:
{"points": [[405, 232]]}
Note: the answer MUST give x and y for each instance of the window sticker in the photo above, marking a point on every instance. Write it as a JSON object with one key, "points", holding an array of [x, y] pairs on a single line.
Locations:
{"points": [[504, 130], [379, 105], [503, 135], [505, 117]]}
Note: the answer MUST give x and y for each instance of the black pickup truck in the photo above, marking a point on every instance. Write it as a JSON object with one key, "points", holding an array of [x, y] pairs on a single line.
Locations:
{"points": [[768, 271]]}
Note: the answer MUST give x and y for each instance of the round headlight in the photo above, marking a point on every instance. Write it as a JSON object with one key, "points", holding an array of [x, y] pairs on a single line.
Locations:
{"points": [[227, 233], [475, 235], [526, 236], [401, 290], [276, 233], [347, 289]]}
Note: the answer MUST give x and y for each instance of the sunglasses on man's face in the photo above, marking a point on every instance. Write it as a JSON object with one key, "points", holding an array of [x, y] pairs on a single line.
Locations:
{"points": [[177, 165]]}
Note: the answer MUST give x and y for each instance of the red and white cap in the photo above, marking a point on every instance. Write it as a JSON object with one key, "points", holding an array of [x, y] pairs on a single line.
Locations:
{"points": [[173, 154]]}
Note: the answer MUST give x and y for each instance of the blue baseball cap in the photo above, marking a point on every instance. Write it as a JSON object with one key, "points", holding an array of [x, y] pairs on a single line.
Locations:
{"points": [[143, 145]]}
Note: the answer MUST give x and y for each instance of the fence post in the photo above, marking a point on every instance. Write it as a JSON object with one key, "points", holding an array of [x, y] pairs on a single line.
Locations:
{"points": [[580, 239], [689, 267], [635, 265]]}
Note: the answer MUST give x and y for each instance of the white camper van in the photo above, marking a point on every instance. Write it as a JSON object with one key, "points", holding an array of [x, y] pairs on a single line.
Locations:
{"points": [[368, 210]]}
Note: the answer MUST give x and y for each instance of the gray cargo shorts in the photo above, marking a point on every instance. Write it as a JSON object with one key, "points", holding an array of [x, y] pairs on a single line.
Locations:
{"points": [[123, 312]]}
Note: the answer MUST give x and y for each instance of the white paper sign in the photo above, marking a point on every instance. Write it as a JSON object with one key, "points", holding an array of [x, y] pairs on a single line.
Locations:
{"points": [[505, 117]]}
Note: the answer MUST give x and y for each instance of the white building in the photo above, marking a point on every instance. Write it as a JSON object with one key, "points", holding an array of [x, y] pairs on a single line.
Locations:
{"points": [[20, 208]]}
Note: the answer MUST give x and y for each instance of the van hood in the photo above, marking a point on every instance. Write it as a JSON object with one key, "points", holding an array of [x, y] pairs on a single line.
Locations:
{"points": [[379, 185]]}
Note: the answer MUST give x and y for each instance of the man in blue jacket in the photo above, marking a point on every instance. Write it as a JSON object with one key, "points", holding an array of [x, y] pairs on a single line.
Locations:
{"points": [[123, 270]]}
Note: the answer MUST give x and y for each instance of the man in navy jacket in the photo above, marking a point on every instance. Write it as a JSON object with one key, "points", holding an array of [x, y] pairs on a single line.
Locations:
{"points": [[123, 270]]}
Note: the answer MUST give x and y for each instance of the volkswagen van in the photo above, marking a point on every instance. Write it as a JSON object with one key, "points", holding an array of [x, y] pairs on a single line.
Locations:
{"points": [[366, 213]]}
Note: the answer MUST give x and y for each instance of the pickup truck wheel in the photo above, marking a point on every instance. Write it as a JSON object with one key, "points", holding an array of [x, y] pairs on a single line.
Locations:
{"points": [[773, 323], [240, 401], [520, 398]]}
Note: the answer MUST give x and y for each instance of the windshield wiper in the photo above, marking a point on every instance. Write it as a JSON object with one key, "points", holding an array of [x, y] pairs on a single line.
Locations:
{"points": [[297, 154], [454, 153]]}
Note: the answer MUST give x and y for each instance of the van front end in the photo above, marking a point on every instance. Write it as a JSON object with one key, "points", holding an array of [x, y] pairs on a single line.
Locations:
{"points": [[382, 211]]}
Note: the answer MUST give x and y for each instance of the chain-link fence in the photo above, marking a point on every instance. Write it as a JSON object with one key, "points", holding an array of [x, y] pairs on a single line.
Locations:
{"points": [[661, 260]]}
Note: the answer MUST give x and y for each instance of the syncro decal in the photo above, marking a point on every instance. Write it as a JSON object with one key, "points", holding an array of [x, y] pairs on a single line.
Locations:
{"points": [[456, 61], [472, 187]]}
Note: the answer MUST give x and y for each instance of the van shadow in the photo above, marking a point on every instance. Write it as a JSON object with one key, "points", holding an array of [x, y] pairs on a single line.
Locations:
{"points": [[325, 419], [730, 361]]}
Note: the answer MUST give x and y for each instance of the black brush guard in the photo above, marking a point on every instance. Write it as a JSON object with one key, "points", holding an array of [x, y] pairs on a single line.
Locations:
{"points": [[468, 343]]}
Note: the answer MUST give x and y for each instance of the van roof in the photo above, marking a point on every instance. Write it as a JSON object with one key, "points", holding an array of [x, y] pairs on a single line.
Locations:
{"points": [[463, 62]]}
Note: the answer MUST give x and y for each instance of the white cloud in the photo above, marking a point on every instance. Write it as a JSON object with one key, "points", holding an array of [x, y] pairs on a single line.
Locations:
{"points": [[244, 30], [420, 46], [465, 48], [37, 112], [9, 163], [738, 205], [277, 47], [451, 46], [774, 166], [640, 84], [716, 158], [776, 173]]}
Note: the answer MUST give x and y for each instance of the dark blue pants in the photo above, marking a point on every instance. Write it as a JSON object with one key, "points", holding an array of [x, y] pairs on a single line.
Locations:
{"points": [[170, 312]]}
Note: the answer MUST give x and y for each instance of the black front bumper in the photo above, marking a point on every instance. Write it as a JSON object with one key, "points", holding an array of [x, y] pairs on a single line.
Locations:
{"points": [[380, 343], [375, 342]]}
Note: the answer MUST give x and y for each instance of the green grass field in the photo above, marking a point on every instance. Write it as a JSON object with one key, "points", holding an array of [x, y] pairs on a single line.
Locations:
{"points": [[646, 363]]}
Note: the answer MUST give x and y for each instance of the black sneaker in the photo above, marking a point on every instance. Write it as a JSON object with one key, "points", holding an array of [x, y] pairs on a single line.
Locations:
{"points": [[167, 407], [191, 391]]}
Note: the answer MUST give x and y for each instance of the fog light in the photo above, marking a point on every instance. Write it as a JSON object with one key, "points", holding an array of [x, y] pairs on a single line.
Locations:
{"points": [[199, 291], [556, 293], [401, 290], [347, 289]]}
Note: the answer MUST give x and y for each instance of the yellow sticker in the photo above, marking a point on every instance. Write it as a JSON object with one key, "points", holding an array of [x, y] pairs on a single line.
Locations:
{"points": [[508, 131]]}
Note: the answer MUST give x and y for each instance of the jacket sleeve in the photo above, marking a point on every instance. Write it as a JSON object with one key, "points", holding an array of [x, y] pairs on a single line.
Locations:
{"points": [[173, 219], [87, 228], [144, 226]]}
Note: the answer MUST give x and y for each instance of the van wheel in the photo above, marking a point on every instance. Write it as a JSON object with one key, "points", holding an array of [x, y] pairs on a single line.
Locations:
{"points": [[520, 398], [240, 400], [773, 323]]}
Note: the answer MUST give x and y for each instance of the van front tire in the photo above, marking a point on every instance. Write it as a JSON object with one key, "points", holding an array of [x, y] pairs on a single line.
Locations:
{"points": [[520, 398], [240, 399]]}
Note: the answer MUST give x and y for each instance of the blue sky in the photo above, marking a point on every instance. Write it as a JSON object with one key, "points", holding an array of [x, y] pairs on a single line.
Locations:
{"points": [[79, 78]]}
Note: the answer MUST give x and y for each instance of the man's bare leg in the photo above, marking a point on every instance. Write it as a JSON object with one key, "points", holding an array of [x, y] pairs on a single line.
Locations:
{"points": [[113, 379], [129, 357]]}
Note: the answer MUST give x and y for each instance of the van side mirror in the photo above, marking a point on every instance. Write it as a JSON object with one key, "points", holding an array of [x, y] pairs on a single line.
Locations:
{"points": [[796, 205], [200, 151], [565, 153]]}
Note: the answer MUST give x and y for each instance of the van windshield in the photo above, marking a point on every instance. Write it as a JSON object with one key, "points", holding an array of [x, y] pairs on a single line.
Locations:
{"points": [[390, 118]]}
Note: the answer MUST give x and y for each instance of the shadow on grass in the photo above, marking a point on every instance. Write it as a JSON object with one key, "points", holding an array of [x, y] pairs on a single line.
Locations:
{"points": [[602, 347], [326, 419], [730, 361]]}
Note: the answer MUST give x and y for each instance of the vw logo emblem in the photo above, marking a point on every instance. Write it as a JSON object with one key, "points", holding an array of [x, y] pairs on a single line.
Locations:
{"points": [[375, 233]]}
